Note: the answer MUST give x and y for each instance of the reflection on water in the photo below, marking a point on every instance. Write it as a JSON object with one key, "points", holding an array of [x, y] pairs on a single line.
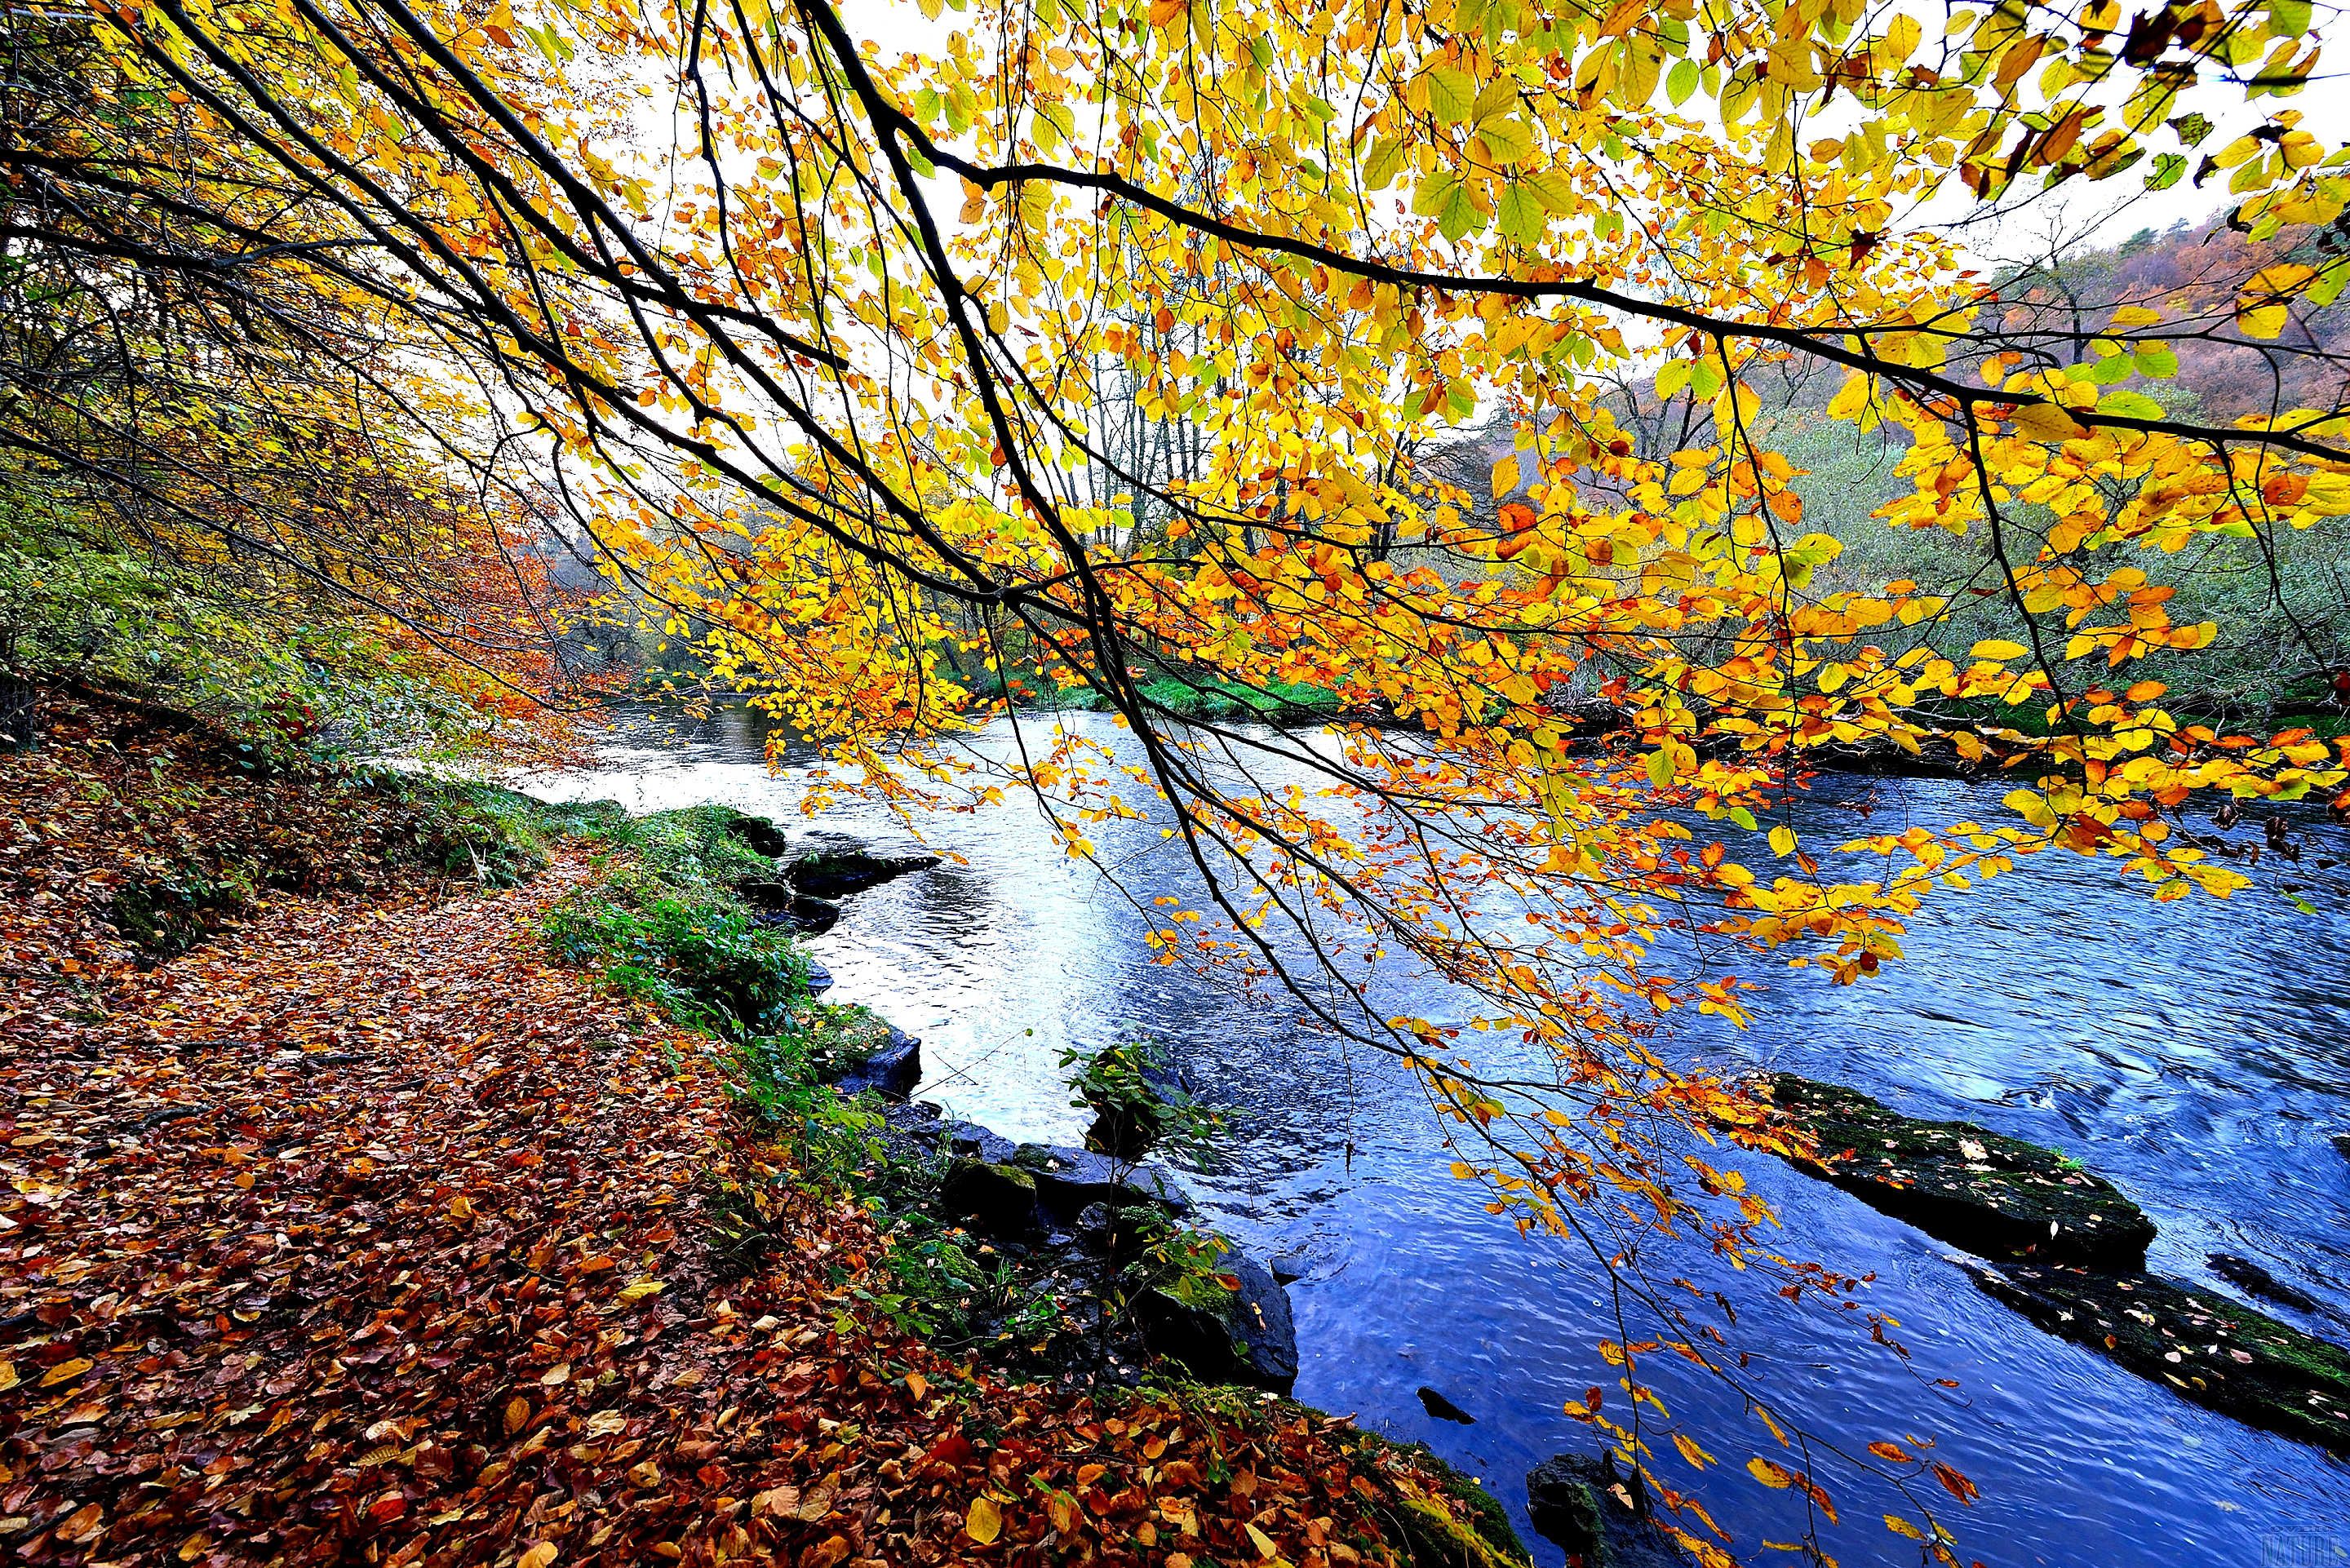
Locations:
{"points": [[2196, 1056]]}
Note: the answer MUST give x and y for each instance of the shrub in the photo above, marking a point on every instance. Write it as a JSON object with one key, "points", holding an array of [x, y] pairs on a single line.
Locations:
{"points": [[699, 959]]}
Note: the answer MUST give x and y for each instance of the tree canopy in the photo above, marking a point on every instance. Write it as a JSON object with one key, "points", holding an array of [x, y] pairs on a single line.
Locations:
{"points": [[1111, 354]]}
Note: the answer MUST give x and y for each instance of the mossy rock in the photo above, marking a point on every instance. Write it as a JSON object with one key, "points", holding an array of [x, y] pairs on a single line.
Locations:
{"points": [[1579, 1503], [1995, 1196], [1460, 1525], [996, 1199], [2205, 1347]]}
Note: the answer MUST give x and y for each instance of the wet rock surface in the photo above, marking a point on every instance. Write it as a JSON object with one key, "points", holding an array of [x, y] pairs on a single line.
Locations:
{"points": [[1994, 1196], [2215, 1352]]}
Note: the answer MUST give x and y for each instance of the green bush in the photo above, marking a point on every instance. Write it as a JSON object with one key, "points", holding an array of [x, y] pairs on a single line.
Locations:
{"points": [[702, 959], [167, 916]]}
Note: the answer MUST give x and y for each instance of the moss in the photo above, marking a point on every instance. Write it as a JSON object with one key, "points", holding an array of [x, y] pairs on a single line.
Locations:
{"points": [[1995, 1196], [1460, 1524], [2210, 1349]]}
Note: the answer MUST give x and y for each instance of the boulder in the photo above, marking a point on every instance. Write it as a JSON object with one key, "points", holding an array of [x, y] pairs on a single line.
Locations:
{"points": [[891, 1072], [2342, 1144], [993, 1199], [2209, 1349], [819, 979], [1248, 1337], [838, 873], [1997, 1197], [1125, 1132], [1585, 1506]]}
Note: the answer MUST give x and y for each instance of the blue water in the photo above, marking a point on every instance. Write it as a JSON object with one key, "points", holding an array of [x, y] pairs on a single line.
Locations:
{"points": [[2196, 1054]]}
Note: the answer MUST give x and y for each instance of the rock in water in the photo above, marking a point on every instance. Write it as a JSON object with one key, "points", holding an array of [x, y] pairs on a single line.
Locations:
{"points": [[2341, 1144], [1444, 1409], [1582, 1505], [1248, 1338], [2208, 1348], [1995, 1196], [757, 833], [891, 1072], [838, 873]]}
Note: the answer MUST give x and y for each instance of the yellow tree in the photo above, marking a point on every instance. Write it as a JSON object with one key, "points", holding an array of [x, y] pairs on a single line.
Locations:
{"points": [[873, 371]]}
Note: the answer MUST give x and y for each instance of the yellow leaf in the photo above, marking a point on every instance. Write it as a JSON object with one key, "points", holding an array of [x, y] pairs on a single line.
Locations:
{"points": [[2135, 315], [1697, 1456], [1505, 476], [637, 1290], [1778, 1477], [1901, 1526], [985, 1521], [918, 1386], [1261, 1542], [538, 1556], [1783, 840], [2046, 422], [1997, 647], [2266, 322], [66, 1369]]}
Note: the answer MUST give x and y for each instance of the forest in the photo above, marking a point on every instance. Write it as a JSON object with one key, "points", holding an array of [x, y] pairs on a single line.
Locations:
{"points": [[1430, 783]]}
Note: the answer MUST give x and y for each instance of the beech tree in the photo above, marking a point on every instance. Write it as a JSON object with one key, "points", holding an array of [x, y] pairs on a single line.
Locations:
{"points": [[1092, 347]]}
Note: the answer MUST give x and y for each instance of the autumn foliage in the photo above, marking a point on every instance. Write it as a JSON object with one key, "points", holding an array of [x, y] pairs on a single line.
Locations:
{"points": [[1108, 350]]}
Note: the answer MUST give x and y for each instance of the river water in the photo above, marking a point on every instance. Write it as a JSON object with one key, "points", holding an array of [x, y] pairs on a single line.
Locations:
{"points": [[2197, 1055]]}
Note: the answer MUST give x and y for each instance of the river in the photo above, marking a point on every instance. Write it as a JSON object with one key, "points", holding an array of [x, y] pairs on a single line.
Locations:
{"points": [[2196, 1054]]}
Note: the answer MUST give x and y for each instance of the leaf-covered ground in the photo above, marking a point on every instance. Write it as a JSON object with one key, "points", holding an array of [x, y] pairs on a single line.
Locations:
{"points": [[362, 1232]]}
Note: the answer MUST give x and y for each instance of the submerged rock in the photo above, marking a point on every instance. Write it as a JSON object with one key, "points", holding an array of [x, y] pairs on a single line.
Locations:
{"points": [[1249, 1338], [1584, 1505], [1444, 1409], [2212, 1350], [2254, 1279], [838, 873], [1995, 1196]]}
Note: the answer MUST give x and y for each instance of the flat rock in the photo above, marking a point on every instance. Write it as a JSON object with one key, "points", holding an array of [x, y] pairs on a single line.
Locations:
{"points": [[1579, 1502], [1995, 1196], [2216, 1352], [1070, 1178]]}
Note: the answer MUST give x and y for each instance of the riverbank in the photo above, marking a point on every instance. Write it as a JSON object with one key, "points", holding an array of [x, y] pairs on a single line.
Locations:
{"points": [[345, 1221]]}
